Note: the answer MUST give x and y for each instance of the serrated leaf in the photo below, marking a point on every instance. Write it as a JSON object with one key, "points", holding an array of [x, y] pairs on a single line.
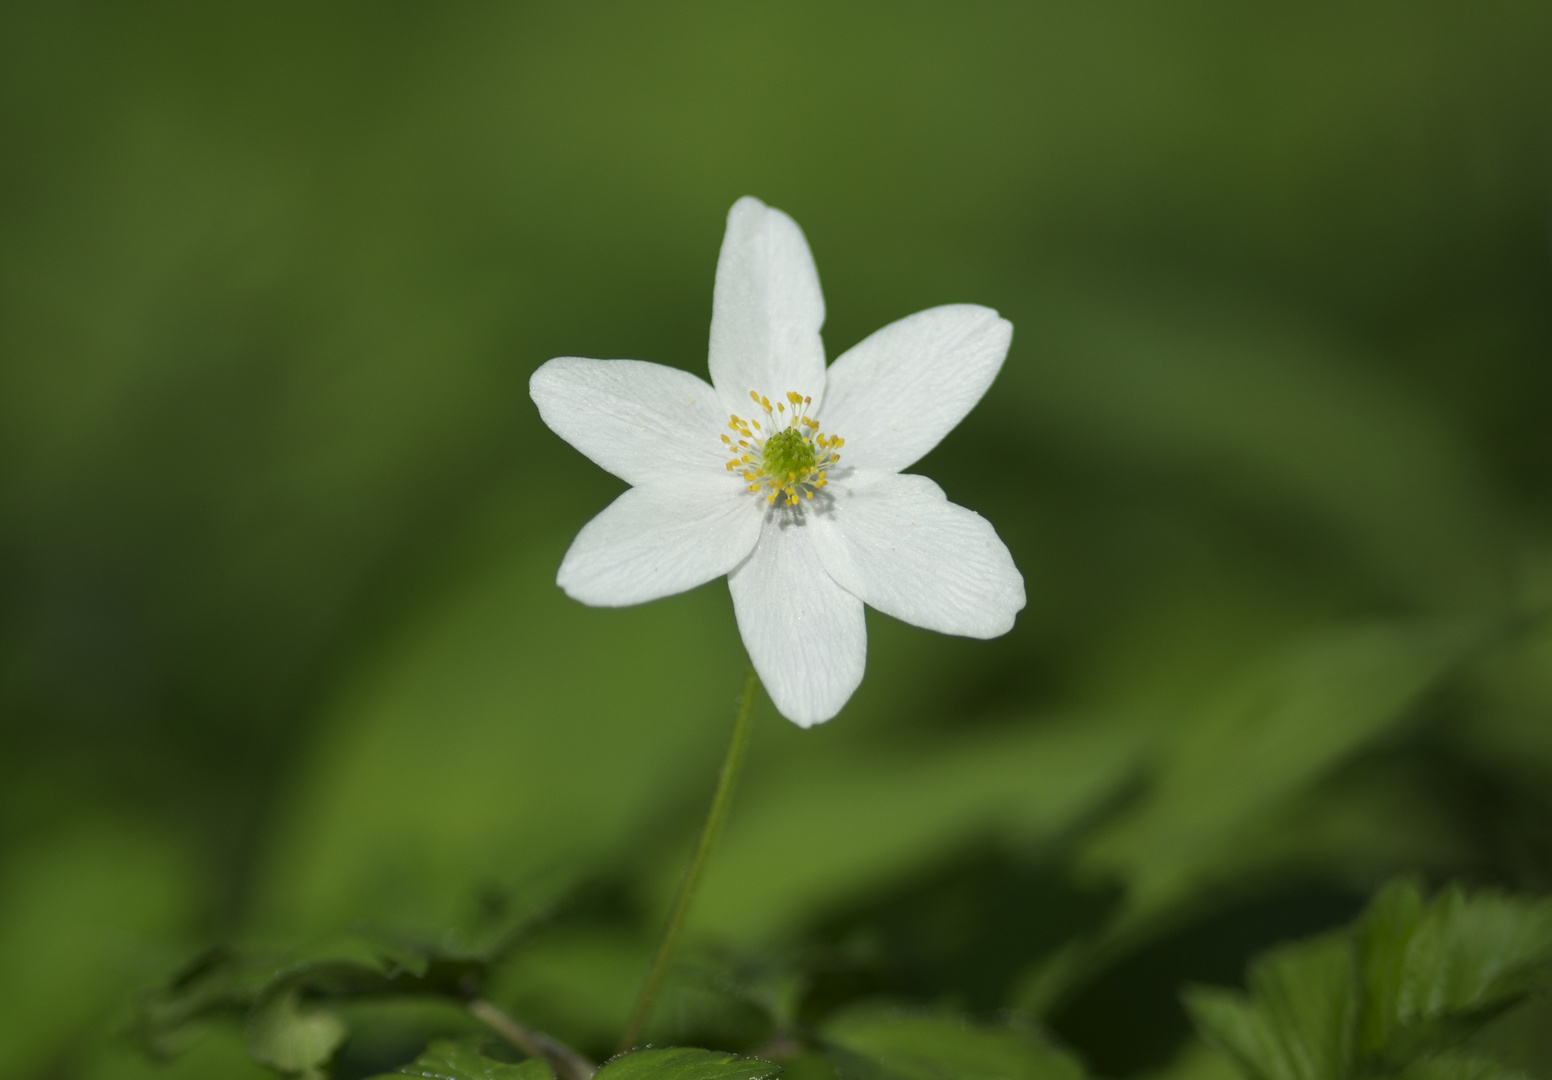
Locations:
{"points": [[284, 1037], [905, 1046], [451, 1059], [1387, 927], [1298, 1021], [686, 1063], [1434, 972]]}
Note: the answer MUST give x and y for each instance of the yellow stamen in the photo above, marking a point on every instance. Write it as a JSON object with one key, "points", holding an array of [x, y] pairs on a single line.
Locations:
{"points": [[787, 462]]}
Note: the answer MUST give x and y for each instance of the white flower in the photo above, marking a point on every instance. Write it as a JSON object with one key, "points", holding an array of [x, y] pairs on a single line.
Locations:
{"points": [[796, 495]]}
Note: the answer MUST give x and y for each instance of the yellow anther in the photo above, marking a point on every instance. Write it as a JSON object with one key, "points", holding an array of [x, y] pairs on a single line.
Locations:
{"points": [[785, 462]]}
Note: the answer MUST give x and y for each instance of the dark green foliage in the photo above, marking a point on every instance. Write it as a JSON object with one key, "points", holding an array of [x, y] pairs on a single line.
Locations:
{"points": [[283, 998], [1299, 1021], [1458, 1067], [1239, 761], [446, 1059], [1435, 971], [888, 1044], [282, 659], [1395, 995], [681, 1063]]}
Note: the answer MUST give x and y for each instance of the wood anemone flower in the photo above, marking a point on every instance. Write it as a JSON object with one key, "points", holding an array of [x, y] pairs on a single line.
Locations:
{"points": [[786, 475]]}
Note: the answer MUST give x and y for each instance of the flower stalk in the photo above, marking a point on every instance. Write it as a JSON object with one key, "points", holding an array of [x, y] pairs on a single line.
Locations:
{"points": [[727, 780]]}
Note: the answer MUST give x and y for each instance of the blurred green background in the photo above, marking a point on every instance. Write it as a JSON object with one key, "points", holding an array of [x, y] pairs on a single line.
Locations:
{"points": [[280, 648]]}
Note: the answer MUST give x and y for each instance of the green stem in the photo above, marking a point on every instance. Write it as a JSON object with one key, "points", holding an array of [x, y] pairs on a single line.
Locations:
{"points": [[737, 747], [566, 1062]]}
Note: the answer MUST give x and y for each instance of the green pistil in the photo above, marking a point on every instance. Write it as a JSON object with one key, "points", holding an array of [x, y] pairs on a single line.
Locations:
{"points": [[787, 453]]}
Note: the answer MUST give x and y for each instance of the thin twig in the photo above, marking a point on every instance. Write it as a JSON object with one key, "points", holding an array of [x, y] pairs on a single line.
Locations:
{"points": [[567, 1063], [720, 802]]}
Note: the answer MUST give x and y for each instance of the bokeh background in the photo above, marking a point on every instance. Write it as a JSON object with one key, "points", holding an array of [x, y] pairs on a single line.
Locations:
{"points": [[280, 648]]}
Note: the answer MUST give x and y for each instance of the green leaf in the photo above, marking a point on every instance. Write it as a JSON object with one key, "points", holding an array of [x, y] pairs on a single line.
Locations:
{"points": [[294, 1042], [1250, 751], [1434, 972], [1459, 1067], [686, 1063], [905, 1046], [229, 982], [1298, 1022], [450, 1059], [1387, 928]]}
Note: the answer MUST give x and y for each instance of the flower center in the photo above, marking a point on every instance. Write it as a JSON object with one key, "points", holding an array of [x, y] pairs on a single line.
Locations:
{"points": [[786, 457]]}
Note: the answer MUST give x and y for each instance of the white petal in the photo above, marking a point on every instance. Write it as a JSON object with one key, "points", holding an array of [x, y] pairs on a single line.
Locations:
{"points": [[900, 545], [661, 539], [766, 310], [895, 394], [805, 634], [641, 421]]}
